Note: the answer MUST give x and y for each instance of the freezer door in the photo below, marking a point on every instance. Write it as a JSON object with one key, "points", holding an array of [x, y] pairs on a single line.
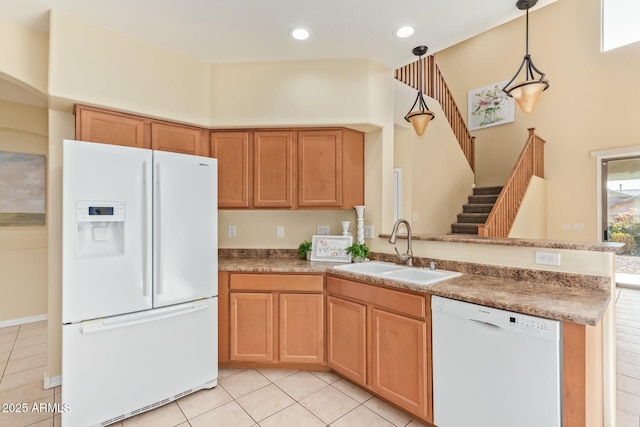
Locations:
{"points": [[185, 228], [106, 230], [117, 367]]}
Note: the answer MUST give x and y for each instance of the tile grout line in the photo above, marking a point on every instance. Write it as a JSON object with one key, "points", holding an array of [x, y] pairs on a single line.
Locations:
{"points": [[6, 365]]}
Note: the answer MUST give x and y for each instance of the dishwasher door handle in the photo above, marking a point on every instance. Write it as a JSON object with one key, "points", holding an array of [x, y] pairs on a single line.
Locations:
{"points": [[485, 323]]}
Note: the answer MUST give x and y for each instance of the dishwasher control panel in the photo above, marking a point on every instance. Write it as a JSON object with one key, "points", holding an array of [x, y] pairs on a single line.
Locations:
{"points": [[515, 322], [527, 323]]}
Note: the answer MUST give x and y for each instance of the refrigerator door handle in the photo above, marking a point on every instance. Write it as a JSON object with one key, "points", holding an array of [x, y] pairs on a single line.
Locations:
{"points": [[101, 325], [158, 234], [146, 282]]}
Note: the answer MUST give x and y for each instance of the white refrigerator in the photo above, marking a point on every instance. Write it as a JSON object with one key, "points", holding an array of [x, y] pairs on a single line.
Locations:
{"points": [[139, 280]]}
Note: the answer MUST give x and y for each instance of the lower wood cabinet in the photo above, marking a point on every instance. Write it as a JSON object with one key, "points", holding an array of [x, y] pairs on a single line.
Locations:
{"points": [[347, 338], [399, 359], [379, 338], [275, 318], [301, 328], [252, 333]]}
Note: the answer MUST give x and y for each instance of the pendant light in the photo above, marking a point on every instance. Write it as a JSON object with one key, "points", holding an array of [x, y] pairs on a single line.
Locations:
{"points": [[526, 92], [421, 117]]}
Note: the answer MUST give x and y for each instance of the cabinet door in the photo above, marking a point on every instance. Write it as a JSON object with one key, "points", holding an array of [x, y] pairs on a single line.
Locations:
{"points": [[111, 128], [232, 149], [251, 327], [319, 168], [399, 360], [301, 328], [346, 338], [179, 139], [273, 154]]}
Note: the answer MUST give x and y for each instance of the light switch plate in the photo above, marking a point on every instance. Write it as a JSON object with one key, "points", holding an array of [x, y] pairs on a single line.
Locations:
{"points": [[323, 230], [368, 231], [280, 231], [231, 231]]}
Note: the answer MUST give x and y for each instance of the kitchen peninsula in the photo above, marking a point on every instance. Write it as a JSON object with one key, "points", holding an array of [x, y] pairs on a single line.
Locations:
{"points": [[283, 287]]}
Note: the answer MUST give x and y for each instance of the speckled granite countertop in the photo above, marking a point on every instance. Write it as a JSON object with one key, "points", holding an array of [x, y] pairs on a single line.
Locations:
{"points": [[525, 243], [273, 265], [574, 304]]}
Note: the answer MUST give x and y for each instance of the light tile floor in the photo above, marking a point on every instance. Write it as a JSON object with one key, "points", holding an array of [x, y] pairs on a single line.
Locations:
{"points": [[269, 397], [243, 398]]}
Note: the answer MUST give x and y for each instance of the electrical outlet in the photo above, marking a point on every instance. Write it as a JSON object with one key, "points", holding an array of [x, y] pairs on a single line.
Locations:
{"points": [[548, 258], [231, 231], [368, 231], [280, 231], [323, 230]]}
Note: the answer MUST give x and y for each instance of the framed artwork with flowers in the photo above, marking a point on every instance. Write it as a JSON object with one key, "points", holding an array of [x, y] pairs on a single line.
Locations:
{"points": [[490, 106]]}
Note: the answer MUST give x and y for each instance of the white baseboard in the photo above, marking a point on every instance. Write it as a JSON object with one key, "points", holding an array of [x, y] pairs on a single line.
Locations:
{"points": [[22, 320], [51, 382]]}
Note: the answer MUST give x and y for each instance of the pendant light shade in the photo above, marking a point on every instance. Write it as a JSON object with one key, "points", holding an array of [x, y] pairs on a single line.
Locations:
{"points": [[420, 120], [421, 116], [527, 91]]}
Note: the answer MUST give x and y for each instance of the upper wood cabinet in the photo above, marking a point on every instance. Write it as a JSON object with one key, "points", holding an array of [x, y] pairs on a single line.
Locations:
{"points": [[330, 168], [257, 168], [179, 139], [290, 169], [235, 172], [95, 125], [273, 169], [108, 127]]}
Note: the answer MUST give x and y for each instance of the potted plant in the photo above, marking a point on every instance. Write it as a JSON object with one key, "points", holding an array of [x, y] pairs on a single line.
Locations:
{"points": [[304, 250], [359, 252]]}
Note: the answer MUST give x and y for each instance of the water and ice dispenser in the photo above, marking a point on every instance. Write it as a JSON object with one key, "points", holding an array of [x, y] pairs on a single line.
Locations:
{"points": [[100, 229]]}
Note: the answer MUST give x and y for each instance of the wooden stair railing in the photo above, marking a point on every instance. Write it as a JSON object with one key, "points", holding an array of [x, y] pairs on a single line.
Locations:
{"points": [[503, 214], [437, 89]]}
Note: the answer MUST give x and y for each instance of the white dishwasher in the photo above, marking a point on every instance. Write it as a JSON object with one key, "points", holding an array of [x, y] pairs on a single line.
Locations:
{"points": [[494, 368]]}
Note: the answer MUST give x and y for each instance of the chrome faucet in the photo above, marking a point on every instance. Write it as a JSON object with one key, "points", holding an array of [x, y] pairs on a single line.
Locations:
{"points": [[408, 256]]}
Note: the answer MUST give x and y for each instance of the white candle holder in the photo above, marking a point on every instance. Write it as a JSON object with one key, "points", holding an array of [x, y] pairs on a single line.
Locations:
{"points": [[360, 224], [345, 227]]}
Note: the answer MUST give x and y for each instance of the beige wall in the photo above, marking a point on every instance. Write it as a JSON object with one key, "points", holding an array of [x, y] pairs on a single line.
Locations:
{"points": [[586, 108], [299, 93], [24, 57], [434, 169], [93, 65], [23, 250], [531, 220]]}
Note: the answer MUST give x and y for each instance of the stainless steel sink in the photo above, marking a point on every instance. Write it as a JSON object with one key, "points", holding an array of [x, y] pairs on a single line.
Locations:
{"points": [[389, 271]]}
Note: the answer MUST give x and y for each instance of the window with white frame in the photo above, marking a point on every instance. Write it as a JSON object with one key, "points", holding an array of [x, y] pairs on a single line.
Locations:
{"points": [[620, 23]]}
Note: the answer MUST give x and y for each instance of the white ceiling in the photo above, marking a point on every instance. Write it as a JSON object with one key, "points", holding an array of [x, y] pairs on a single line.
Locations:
{"points": [[257, 30]]}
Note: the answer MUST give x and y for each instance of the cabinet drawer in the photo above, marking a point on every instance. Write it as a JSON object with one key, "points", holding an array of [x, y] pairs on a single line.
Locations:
{"points": [[398, 301], [276, 282]]}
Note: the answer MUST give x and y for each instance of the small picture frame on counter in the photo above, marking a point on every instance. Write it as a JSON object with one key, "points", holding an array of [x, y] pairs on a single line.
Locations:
{"points": [[331, 248]]}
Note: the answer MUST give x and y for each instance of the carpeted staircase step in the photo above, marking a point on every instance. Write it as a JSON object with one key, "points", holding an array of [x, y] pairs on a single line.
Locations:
{"points": [[464, 228], [474, 218], [477, 208], [483, 199], [480, 191]]}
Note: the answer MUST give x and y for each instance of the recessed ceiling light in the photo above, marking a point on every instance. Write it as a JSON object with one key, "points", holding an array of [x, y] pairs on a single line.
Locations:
{"points": [[299, 33], [404, 32]]}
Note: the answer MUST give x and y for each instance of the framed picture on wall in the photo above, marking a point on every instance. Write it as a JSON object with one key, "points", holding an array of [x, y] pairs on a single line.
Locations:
{"points": [[22, 189], [489, 106]]}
